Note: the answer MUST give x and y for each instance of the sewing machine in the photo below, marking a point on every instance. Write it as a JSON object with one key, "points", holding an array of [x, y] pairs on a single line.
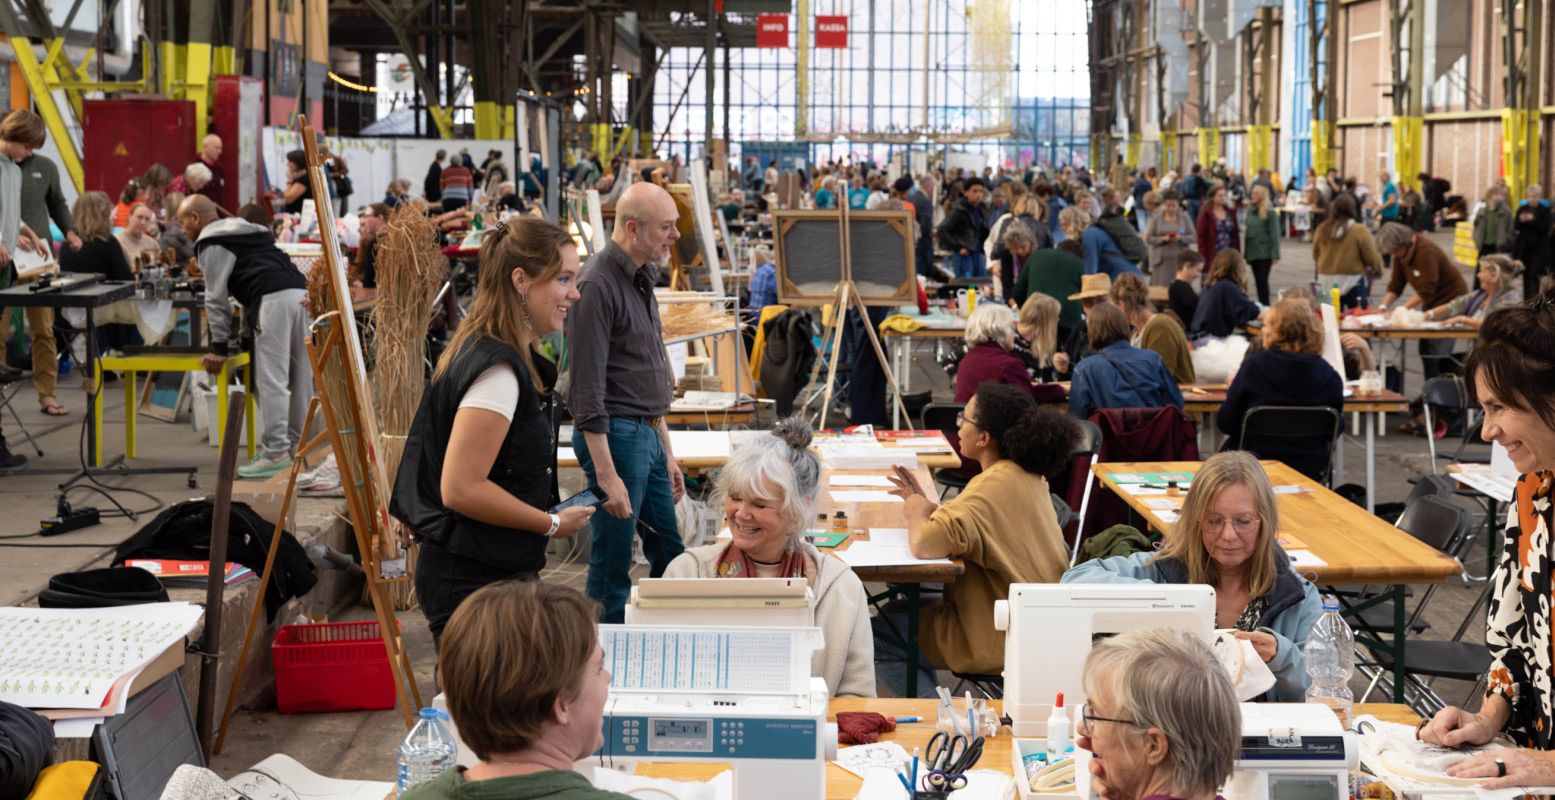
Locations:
{"points": [[779, 602], [1049, 629], [737, 696]]}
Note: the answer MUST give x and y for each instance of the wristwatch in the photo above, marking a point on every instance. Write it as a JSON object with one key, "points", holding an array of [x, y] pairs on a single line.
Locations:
{"points": [[556, 524]]}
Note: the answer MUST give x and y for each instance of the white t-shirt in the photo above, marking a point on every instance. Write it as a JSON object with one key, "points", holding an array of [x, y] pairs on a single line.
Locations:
{"points": [[495, 390]]}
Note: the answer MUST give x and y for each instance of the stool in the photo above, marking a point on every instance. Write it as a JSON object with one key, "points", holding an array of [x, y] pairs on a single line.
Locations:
{"points": [[130, 365], [10, 384]]}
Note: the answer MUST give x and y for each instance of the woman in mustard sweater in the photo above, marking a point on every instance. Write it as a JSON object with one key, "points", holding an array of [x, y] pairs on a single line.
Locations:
{"points": [[1002, 525]]}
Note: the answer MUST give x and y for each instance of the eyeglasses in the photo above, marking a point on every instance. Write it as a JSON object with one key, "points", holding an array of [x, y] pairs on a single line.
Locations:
{"points": [[1086, 718], [1243, 523], [962, 419]]}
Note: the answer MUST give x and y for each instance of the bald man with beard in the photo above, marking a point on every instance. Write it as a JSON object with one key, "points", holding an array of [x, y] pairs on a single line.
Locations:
{"points": [[241, 262], [621, 388]]}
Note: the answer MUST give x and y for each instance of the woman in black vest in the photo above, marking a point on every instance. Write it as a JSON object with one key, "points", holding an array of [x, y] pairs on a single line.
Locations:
{"points": [[479, 469]]}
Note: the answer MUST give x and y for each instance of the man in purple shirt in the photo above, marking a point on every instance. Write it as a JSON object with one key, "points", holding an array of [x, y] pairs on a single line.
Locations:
{"points": [[210, 156]]}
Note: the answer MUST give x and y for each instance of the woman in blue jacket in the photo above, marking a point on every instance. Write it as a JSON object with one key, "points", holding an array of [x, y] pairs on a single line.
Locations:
{"points": [[1224, 537]]}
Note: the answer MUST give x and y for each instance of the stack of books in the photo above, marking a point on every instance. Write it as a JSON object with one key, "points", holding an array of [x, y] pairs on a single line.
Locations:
{"points": [[188, 573]]}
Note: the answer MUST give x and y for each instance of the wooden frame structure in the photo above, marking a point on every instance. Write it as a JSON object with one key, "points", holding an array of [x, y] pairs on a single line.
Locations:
{"points": [[790, 293]]}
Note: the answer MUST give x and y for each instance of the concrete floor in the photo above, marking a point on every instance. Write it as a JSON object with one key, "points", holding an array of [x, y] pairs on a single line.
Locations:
{"points": [[362, 745]]}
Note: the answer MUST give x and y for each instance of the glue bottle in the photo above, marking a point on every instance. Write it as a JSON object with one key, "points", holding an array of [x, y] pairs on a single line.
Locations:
{"points": [[1057, 731], [1334, 292], [971, 300]]}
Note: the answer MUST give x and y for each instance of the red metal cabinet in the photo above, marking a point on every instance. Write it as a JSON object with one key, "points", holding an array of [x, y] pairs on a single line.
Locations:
{"points": [[122, 138]]}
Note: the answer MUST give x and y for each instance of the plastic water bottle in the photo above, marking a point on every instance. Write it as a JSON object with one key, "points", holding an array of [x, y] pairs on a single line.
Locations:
{"points": [[1330, 656], [427, 752]]}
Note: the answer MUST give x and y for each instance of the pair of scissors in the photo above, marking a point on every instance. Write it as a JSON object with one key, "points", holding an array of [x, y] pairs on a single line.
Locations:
{"points": [[950, 756]]}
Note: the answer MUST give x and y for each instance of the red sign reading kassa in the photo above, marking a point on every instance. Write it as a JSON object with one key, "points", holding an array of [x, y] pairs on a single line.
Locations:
{"points": [[831, 32], [772, 30]]}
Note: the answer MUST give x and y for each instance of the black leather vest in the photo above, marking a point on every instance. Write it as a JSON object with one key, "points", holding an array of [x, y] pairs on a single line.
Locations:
{"points": [[525, 466]]}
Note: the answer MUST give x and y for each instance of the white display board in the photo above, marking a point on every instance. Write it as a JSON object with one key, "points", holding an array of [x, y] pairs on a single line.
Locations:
{"points": [[373, 162]]}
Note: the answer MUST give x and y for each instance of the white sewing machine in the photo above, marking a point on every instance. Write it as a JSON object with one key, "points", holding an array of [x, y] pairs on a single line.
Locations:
{"points": [[1049, 629], [779, 602], [1292, 751], [723, 695]]}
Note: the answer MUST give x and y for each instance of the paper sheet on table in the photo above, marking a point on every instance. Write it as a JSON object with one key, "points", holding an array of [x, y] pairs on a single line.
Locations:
{"points": [[1291, 488], [860, 759], [924, 444], [860, 480], [1304, 558], [39, 667], [700, 444], [1166, 517], [864, 496], [1290, 542], [1163, 503], [889, 536], [866, 456], [720, 787], [280, 777], [871, 554], [77, 728]]}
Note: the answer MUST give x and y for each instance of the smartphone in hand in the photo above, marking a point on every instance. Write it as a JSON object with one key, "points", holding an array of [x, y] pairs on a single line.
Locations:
{"points": [[592, 496]]}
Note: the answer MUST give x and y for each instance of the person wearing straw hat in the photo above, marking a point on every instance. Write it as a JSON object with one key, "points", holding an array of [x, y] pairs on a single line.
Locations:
{"points": [[1094, 288]]}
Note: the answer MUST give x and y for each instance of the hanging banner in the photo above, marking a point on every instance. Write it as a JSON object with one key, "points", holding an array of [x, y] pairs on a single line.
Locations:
{"points": [[772, 30], [831, 32]]}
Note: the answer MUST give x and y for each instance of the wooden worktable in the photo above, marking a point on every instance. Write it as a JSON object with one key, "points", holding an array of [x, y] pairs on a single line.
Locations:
{"points": [[1359, 547], [843, 785], [1207, 398]]}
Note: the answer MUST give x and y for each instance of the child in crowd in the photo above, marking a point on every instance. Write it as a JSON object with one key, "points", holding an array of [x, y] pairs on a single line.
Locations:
{"points": [[1182, 297]]}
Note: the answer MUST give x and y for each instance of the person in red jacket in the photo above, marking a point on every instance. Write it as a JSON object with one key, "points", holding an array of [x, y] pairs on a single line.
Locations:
{"points": [[1217, 227], [990, 333]]}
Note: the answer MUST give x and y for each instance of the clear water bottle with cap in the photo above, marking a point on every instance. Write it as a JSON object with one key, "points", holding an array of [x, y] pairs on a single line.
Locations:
{"points": [[427, 752], [1330, 656]]}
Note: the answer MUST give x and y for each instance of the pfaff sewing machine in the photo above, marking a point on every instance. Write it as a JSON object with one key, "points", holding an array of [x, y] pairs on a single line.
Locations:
{"points": [[737, 696], [763, 602], [1292, 751]]}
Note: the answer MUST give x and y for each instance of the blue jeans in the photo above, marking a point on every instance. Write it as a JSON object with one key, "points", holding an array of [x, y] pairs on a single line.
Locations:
{"points": [[969, 266], [639, 459]]}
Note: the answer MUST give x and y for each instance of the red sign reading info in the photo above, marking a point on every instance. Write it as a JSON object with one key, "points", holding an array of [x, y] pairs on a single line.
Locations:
{"points": [[772, 30], [831, 32]]}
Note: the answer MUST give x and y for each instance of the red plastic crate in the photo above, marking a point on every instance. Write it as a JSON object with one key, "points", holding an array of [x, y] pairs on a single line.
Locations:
{"points": [[331, 666]]}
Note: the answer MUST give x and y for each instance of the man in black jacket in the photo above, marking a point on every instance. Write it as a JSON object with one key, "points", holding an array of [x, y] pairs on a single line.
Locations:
{"points": [[963, 230], [241, 262], [432, 187]]}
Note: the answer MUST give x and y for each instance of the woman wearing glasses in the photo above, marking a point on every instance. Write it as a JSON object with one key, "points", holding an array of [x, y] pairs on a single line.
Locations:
{"points": [[1224, 537], [1002, 525], [1161, 717]]}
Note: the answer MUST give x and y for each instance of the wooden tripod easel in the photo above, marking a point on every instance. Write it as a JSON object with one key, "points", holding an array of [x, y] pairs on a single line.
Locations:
{"points": [[846, 298]]}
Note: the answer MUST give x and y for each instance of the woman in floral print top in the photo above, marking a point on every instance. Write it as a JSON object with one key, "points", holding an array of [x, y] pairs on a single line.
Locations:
{"points": [[1512, 372]]}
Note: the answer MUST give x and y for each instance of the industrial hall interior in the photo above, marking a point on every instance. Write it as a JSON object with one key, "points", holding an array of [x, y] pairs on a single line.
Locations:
{"points": [[777, 399]]}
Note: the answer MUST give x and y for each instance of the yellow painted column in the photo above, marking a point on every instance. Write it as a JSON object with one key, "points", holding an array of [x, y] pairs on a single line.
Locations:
{"points": [[488, 120], [1408, 141], [1260, 147], [197, 83], [1209, 146], [1136, 144], [509, 122], [1322, 146], [1168, 150], [601, 138], [224, 60], [1519, 149]]}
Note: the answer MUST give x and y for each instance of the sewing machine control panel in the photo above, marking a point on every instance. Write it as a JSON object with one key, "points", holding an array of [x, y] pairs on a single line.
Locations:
{"points": [[693, 737]]}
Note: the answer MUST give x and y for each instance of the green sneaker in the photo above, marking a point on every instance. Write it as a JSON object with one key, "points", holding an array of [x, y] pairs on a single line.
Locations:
{"points": [[265, 467]]}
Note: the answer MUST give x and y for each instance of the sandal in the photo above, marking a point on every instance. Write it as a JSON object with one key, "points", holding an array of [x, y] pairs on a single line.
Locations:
{"points": [[1411, 428], [56, 410]]}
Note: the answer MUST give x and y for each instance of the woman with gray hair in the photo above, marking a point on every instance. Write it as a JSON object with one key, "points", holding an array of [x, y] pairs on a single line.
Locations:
{"points": [[767, 490], [1161, 718]]}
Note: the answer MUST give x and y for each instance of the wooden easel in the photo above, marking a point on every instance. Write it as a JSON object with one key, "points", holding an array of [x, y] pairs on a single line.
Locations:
{"points": [[847, 297]]}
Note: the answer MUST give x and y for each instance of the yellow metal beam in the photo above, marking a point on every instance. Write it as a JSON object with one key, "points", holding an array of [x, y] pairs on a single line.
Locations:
{"points": [[197, 84], [32, 70]]}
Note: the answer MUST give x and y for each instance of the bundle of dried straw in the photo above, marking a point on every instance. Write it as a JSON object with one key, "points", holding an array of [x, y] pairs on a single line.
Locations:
{"points": [[411, 268]]}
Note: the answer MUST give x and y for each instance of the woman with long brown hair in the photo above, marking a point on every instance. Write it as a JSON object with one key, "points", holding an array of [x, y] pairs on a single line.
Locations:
{"points": [[479, 471]]}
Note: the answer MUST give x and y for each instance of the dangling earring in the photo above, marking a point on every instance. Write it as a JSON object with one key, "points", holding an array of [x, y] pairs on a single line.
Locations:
{"points": [[523, 302]]}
